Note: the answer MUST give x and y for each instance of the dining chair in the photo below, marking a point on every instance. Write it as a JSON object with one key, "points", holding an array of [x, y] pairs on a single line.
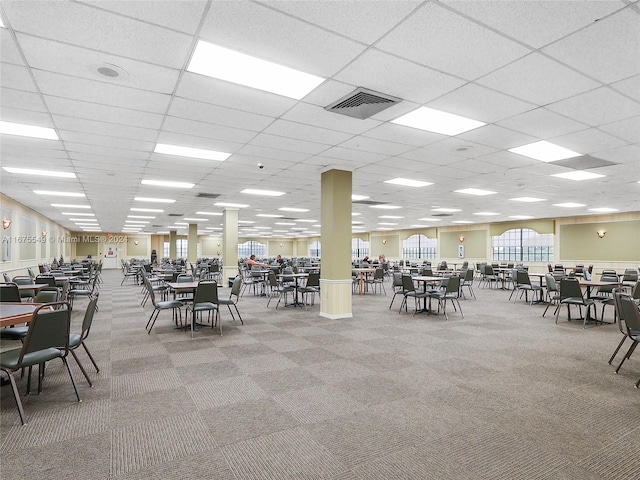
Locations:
{"points": [[396, 286], [77, 339], [234, 298], [6, 277], [631, 314], [468, 282], [553, 292], [9, 292], [617, 293], [205, 300], [313, 286], [571, 294], [278, 289], [451, 293], [172, 305], [409, 291], [47, 339], [524, 286], [378, 279]]}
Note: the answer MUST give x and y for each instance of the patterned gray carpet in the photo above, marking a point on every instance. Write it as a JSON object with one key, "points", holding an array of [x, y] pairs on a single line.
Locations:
{"points": [[502, 393]]}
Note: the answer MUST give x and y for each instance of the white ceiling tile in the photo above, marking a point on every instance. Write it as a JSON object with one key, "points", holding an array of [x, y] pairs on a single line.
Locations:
{"points": [[351, 155], [103, 155], [104, 128], [497, 137], [271, 153], [207, 130], [589, 141], [395, 76], [111, 142], [225, 94], [407, 136], [597, 107], [442, 40], [9, 53], [185, 140], [27, 117], [628, 129], [15, 76], [301, 131], [480, 103], [538, 80], [598, 53], [542, 123], [328, 92], [183, 15], [535, 23], [374, 145], [272, 141], [105, 113], [204, 112], [629, 86], [19, 99], [80, 62], [82, 25], [312, 115], [100, 92], [350, 18], [256, 30]]}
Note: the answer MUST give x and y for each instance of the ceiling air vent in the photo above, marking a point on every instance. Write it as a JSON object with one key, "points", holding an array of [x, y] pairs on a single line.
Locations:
{"points": [[207, 195], [442, 215], [175, 214], [157, 226], [362, 103], [369, 202]]}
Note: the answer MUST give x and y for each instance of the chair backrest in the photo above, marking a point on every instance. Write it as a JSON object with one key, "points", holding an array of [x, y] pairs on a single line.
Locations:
{"points": [[397, 279], [630, 313], [468, 275], [46, 280], [207, 291], [49, 328], [9, 292], [609, 271], [570, 288], [46, 295], [88, 316], [635, 291], [273, 281], [552, 286], [184, 278], [608, 278], [522, 277], [453, 284], [378, 275], [488, 270], [314, 278], [236, 286], [427, 272], [407, 284]]}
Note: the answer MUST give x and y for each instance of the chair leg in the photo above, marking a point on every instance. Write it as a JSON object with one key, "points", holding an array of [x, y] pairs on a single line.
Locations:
{"points": [[617, 349], [84, 345], [75, 388], [73, 353], [16, 396], [238, 312]]}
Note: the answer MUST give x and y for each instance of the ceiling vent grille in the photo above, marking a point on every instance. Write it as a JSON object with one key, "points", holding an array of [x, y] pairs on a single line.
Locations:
{"points": [[207, 195], [369, 202], [362, 103], [442, 215], [175, 214]]}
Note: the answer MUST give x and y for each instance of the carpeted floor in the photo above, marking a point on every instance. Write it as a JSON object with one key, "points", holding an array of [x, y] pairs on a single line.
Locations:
{"points": [[502, 393]]}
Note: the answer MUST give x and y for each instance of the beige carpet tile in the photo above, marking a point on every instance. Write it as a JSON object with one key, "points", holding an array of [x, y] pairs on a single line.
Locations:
{"points": [[352, 349], [290, 454], [310, 356], [325, 338], [81, 457], [317, 404], [618, 460], [246, 351], [289, 344], [145, 382], [281, 381], [259, 329], [201, 355], [338, 370], [361, 334], [138, 351], [209, 464], [263, 363], [146, 444], [240, 421], [310, 331], [213, 394], [383, 362], [146, 407], [375, 389], [141, 364], [187, 344], [48, 426], [274, 335], [206, 372]]}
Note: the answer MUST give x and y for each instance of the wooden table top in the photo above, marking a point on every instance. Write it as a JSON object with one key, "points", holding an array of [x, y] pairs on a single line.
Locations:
{"points": [[12, 313]]}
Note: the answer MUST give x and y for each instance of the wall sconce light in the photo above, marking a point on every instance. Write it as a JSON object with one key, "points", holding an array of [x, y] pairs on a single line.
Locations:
{"points": [[601, 233], [44, 233], [384, 241], [280, 244], [218, 244], [136, 242], [461, 238], [6, 223]]}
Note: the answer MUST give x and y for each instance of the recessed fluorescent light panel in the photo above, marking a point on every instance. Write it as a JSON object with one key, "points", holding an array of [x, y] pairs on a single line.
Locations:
{"points": [[28, 131], [152, 210], [569, 205], [246, 221], [486, 214], [521, 217], [139, 216], [209, 213], [475, 191], [68, 205], [191, 152], [385, 207], [544, 151], [268, 215], [59, 194], [446, 210], [79, 214], [603, 210], [43, 173], [266, 193], [197, 219], [578, 175], [436, 121], [429, 219], [154, 200], [291, 209], [224, 64], [230, 205], [407, 182], [527, 199], [462, 221], [390, 216], [355, 198], [166, 183]]}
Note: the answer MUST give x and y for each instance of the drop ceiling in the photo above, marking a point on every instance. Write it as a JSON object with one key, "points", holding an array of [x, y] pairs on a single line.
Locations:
{"points": [[562, 71]]}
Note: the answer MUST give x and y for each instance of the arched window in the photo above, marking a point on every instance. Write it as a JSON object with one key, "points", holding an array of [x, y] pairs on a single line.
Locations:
{"points": [[419, 246], [359, 248], [314, 249], [523, 245], [252, 247]]}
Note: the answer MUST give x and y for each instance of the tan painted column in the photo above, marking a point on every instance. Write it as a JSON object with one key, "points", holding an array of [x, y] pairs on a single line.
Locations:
{"points": [[335, 284], [192, 243], [173, 244], [229, 243]]}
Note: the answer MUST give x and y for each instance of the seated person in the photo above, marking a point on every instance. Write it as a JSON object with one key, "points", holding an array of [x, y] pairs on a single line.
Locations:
{"points": [[251, 261], [366, 259], [279, 260]]}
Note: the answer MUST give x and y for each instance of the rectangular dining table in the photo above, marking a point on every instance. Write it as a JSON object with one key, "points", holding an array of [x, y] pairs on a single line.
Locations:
{"points": [[13, 313]]}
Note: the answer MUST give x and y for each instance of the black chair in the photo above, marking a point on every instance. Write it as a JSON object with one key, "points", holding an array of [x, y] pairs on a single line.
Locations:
{"points": [[571, 294], [46, 339], [468, 282], [205, 300], [617, 293], [9, 293], [553, 292], [409, 291], [24, 280], [451, 292], [159, 306], [234, 297], [524, 286], [378, 279], [277, 289], [48, 280], [396, 286], [629, 311], [313, 286]]}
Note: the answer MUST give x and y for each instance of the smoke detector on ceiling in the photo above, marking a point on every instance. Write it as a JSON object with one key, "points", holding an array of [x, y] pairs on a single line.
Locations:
{"points": [[109, 71]]}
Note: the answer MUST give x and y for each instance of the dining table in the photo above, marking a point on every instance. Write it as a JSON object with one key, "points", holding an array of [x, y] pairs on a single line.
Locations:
{"points": [[589, 284], [13, 313], [363, 274], [296, 278], [427, 280]]}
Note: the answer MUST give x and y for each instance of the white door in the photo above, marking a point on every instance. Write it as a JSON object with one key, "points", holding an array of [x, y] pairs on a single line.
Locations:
{"points": [[110, 254]]}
